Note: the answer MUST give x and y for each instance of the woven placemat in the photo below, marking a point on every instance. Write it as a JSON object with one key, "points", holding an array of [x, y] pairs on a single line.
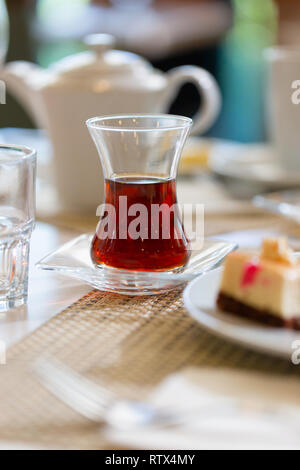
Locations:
{"points": [[128, 343]]}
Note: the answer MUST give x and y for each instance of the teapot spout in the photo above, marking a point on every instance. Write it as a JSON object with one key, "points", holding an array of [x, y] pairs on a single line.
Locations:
{"points": [[21, 80]]}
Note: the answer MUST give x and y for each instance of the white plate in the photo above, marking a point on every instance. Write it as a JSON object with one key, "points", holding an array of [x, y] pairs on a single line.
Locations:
{"points": [[254, 164], [200, 300]]}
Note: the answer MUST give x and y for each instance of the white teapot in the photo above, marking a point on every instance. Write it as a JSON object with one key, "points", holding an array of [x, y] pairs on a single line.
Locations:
{"points": [[100, 81]]}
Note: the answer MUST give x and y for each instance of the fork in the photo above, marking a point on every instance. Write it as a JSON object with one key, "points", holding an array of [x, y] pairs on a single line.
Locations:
{"points": [[101, 405]]}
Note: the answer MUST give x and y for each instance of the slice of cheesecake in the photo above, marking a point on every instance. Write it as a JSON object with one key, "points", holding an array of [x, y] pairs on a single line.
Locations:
{"points": [[263, 286]]}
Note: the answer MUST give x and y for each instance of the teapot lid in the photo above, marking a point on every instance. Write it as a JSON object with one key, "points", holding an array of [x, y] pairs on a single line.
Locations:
{"points": [[100, 61]]}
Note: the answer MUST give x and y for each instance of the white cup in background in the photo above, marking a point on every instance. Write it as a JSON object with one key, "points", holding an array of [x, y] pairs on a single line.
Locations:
{"points": [[283, 109]]}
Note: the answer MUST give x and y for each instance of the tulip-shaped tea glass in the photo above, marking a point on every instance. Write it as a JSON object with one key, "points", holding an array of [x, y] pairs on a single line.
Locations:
{"points": [[140, 227]]}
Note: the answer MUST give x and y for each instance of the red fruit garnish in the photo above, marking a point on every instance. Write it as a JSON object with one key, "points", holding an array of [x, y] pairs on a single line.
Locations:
{"points": [[250, 271]]}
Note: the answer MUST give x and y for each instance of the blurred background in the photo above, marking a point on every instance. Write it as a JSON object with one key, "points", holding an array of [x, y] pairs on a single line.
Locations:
{"points": [[225, 37]]}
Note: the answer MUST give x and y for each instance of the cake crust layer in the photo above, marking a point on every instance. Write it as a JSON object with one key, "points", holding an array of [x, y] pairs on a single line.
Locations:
{"points": [[230, 305]]}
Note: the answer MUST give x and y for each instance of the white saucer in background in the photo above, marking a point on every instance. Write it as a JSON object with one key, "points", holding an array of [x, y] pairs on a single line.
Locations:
{"points": [[250, 168]]}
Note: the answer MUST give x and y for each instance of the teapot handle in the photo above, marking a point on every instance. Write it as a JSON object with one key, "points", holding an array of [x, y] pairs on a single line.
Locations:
{"points": [[208, 89]]}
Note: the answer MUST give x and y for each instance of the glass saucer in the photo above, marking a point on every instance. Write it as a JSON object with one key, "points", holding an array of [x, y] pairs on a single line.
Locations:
{"points": [[284, 203], [73, 259]]}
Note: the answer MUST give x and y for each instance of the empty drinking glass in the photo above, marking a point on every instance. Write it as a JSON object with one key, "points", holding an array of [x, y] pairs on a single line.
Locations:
{"points": [[17, 216]]}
